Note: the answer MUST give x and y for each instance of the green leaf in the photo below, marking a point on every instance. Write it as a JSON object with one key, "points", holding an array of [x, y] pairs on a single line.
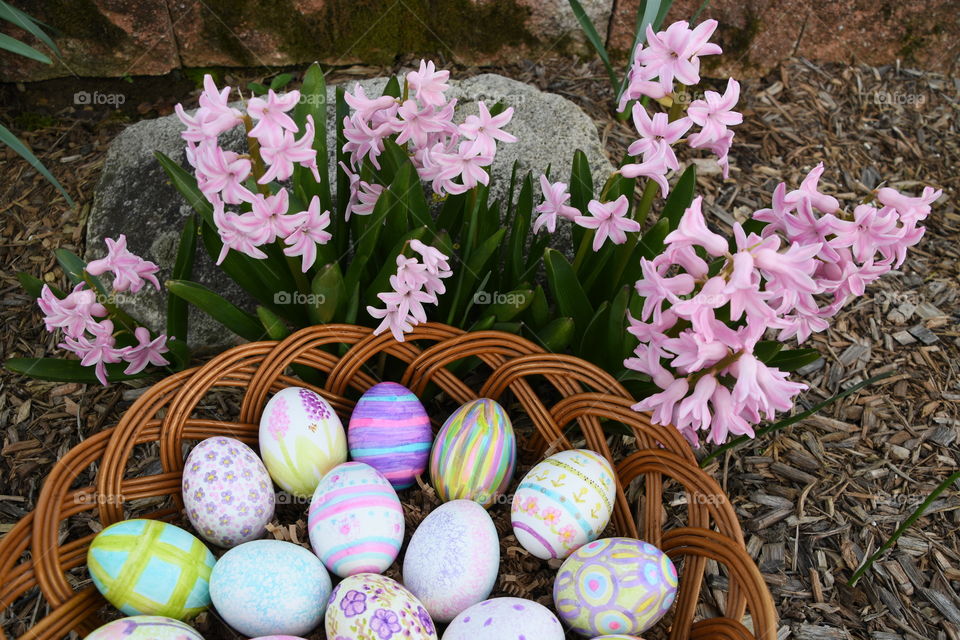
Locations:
{"points": [[19, 48], [28, 23], [272, 323], [508, 327], [217, 307], [557, 335], [511, 305], [566, 289], [313, 102], [34, 286], [767, 349], [353, 306], [595, 41], [339, 226], [330, 293], [581, 182], [73, 265], [280, 81], [7, 138], [614, 337], [392, 88], [186, 184], [520, 231], [58, 370], [178, 354], [539, 310], [177, 309], [256, 88], [590, 336], [793, 359]]}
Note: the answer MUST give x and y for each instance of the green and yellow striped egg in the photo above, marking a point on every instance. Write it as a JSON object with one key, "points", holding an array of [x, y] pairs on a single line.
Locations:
{"points": [[148, 567], [474, 454]]}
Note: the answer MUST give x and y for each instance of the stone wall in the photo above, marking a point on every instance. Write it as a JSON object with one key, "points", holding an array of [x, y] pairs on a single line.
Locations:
{"points": [[116, 38]]}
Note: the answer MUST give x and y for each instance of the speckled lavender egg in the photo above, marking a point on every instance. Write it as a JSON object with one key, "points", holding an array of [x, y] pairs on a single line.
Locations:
{"points": [[505, 619], [227, 492]]}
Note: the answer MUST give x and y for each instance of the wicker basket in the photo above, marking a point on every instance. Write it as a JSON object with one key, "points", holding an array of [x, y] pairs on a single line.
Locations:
{"points": [[165, 414]]}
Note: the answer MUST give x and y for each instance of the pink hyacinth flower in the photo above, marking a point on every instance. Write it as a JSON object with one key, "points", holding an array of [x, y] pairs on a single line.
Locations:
{"points": [[428, 84], [485, 130], [130, 271], [75, 314], [271, 114], [554, 204], [147, 351], [610, 221], [304, 231], [715, 113]]}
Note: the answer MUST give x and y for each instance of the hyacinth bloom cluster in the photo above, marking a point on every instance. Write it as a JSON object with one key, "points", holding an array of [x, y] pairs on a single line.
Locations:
{"points": [[416, 283], [670, 56], [452, 157], [258, 216], [809, 259], [83, 319]]}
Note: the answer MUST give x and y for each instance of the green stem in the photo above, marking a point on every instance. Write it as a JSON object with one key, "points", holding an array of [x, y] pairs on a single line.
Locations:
{"points": [[642, 211], [625, 251], [916, 515], [586, 243], [293, 263]]}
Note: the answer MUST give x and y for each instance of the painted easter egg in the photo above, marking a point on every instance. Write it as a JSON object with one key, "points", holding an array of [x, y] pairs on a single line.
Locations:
{"points": [[369, 606], [452, 559], [474, 455], [227, 492], [500, 618], [618, 637], [301, 438], [145, 628], [355, 521], [149, 567], [278, 638], [563, 502], [270, 587], [390, 430], [614, 586]]}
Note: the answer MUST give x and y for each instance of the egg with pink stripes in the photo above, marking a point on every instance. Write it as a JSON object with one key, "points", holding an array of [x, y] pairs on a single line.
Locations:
{"points": [[356, 520], [390, 430]]}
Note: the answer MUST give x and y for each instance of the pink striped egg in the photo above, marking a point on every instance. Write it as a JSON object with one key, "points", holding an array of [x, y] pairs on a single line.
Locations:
{"points": [[390, 430], [356, 520]]}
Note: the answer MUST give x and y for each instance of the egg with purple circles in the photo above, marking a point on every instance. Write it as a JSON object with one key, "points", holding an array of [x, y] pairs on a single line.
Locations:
{"points": [[301, 438], [369, 606], [355, 520], [563, 502], [390, 430], [614, 586], [227, 492], [502, 618], [145, 628], [452, 559]]}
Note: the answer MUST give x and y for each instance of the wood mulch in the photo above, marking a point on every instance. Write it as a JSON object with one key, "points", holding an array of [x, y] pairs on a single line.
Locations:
{"points": [[814, 499]]}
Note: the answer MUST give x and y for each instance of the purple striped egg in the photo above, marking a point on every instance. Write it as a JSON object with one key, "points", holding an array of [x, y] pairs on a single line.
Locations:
{"points": [[356, 520], [390, 431]]}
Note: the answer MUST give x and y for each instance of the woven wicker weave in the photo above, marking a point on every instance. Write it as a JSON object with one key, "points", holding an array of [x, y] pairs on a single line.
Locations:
{"points": [[165, 414]]}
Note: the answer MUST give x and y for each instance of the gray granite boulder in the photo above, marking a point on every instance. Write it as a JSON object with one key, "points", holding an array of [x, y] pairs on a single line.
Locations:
{"points": [[135, 198]]}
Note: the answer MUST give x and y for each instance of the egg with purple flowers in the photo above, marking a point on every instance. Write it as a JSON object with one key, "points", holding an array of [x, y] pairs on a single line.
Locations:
{"points": [[369, 606], [301, 438], [500, 618], [614, 586], [390, 430], [227, 492]]}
